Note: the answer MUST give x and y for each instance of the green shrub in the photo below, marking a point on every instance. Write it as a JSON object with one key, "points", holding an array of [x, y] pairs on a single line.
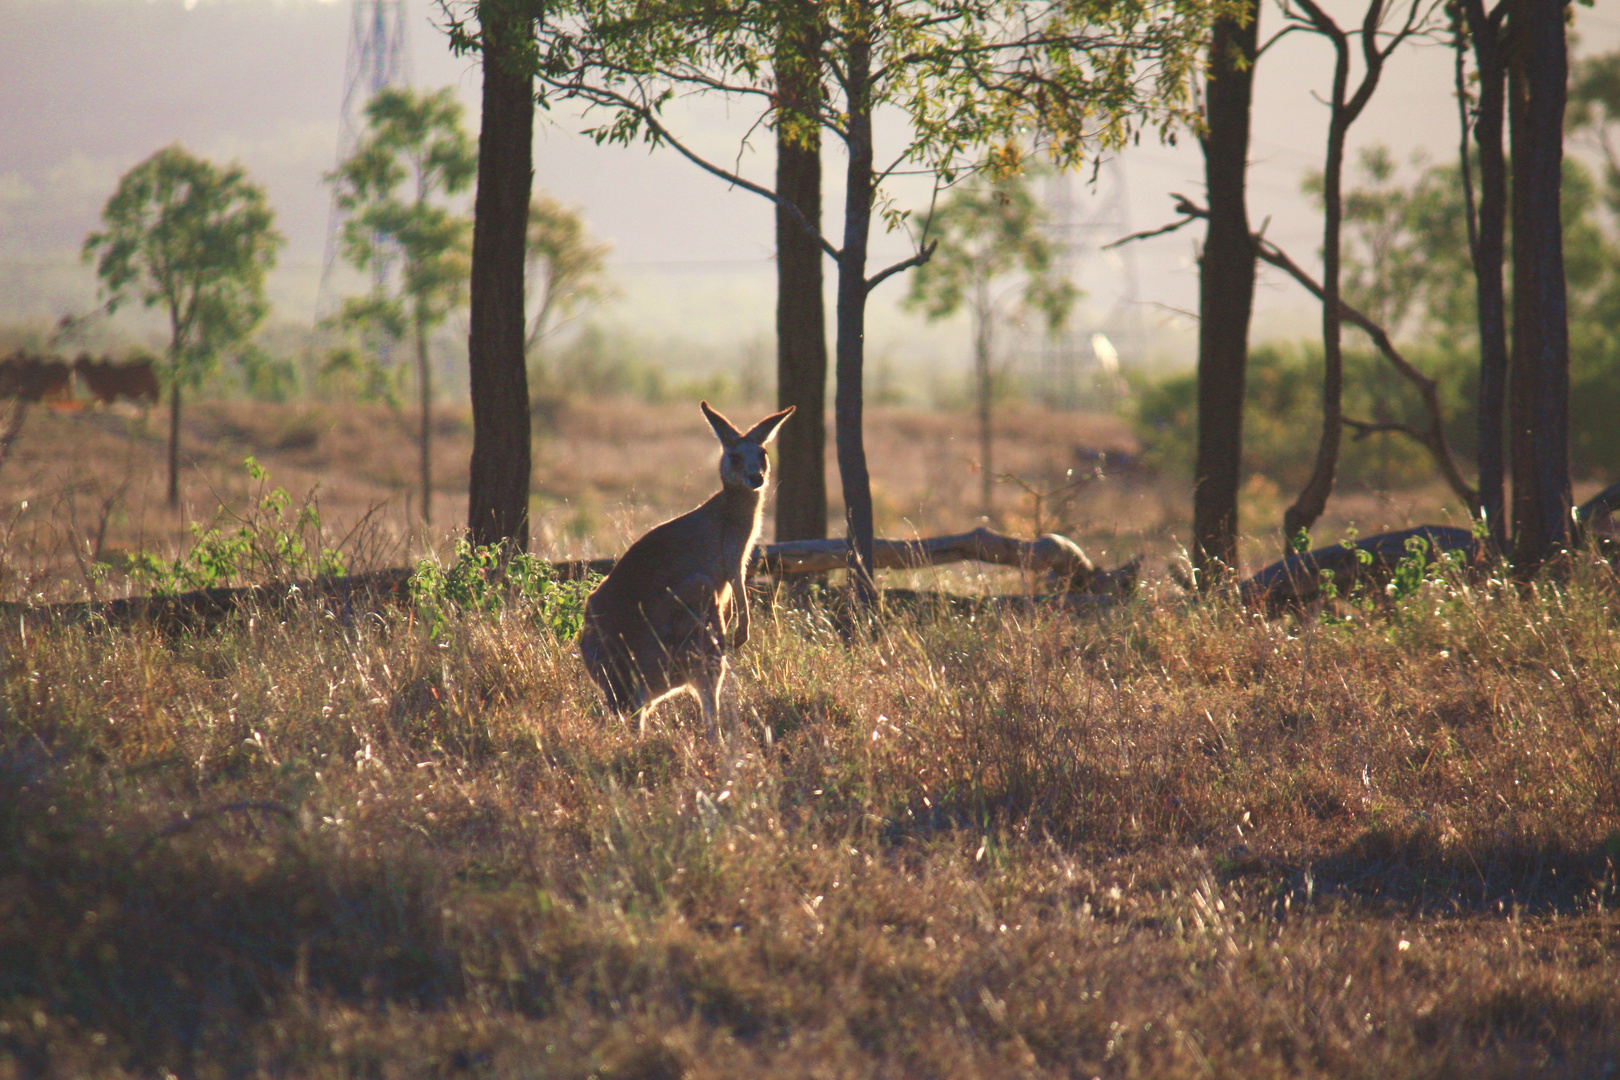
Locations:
{"points": [[1283, 408], [273, 542], [477, 583]]}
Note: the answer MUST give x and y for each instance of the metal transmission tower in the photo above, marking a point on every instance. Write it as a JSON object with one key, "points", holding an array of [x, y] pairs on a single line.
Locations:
{"points": [[1105, 326], [377, 60]]}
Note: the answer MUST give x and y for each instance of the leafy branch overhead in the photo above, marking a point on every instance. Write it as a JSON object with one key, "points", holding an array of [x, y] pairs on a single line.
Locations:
{"points": [[976, 84], [1061, 79]]}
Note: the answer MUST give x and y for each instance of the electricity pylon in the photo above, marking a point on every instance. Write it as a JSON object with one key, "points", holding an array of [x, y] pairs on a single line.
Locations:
{"points": [[378, 59]]}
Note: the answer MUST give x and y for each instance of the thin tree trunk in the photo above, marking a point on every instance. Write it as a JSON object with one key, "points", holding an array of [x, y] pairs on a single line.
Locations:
{"points": [[1313, 499], [852, 288], [801, 321], [176, 335], [1225, 300], [982, 314], [498, 482], [174, 439], [1538, 78], [424, 379], [1489, 259]]}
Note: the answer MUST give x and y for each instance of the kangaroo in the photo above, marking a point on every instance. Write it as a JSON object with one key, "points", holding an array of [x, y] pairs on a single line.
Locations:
{"points": [[664, 618]]}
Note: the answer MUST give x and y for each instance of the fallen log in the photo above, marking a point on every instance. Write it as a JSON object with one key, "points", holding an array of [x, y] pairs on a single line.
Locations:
{"points": [[205, 609], [1055, 555], [351, 596], [1297, 580], [1605, 504]]}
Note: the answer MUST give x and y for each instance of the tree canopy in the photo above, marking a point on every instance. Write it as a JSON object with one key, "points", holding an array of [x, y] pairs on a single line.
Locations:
{"points": [[414, 153], [195, 239], [565, 265]]}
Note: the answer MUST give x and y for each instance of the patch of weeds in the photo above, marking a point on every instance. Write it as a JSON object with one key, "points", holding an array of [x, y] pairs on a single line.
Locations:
{"points": [[272, 542], [480, 581]]}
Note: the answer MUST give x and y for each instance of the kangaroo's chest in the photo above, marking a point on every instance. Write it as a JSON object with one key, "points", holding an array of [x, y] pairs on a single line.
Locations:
{"points": [[734, 548]]}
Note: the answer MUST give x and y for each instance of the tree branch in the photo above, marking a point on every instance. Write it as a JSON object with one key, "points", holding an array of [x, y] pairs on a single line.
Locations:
{"points": [[601, 95], [1434, 438], [1182, 207], [1364, 428], [916, 260]]}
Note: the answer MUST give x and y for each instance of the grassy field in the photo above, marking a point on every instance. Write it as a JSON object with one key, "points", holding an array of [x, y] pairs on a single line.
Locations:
{"points": [[83, 486], [1172, 840]]}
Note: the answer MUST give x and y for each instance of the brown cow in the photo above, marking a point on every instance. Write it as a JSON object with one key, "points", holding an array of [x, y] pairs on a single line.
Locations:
{"points": [[34, 379], [107, 381]]}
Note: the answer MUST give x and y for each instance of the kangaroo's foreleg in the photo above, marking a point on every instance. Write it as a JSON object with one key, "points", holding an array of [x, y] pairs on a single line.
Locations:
{"points": [[738, 637]]}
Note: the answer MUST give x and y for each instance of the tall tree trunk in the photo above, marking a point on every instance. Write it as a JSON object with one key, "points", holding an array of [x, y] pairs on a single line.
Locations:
{"points": [[1489, 259], [174, 438], [1225, 299], [1313, 499], [1539, 409], [983, 313], [801, 321], [424, 382], [498, 484], [848, 405]]}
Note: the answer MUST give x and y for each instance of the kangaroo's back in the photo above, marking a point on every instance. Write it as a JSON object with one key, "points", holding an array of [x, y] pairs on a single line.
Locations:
{"points": [[674, 602]]}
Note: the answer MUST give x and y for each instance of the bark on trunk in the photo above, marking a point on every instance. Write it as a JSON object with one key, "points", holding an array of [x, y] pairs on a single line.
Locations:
{"points": [[424, 381], [174, 439], [801, 320], [1225, 300], [1489, 258], [849, 402], [498, 484], [1538, 78], [982, 316]]}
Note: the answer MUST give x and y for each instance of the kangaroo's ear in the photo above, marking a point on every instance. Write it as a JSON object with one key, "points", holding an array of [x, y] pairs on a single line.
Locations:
{"points": [[764, 431], [728, 435]]}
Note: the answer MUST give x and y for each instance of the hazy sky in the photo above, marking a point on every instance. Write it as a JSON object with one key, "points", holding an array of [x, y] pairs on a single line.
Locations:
{"points": [[90, 87]]}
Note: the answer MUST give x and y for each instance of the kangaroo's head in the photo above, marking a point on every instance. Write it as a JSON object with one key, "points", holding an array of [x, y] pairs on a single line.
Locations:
{"points": [[744, 465]]}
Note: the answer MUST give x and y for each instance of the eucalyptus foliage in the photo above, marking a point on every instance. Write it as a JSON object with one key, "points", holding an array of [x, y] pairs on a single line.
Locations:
{"points": [[976, 84], [565, 266], [415, 153], [196, 240], [986, 235]]}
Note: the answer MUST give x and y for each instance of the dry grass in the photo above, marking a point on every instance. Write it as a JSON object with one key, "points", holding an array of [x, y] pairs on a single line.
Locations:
{"points": [[1172, 841], [90, 484]]}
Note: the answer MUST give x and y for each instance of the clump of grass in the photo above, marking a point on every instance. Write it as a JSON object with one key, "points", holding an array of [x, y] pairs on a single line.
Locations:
{"points": [[1174, 840]]}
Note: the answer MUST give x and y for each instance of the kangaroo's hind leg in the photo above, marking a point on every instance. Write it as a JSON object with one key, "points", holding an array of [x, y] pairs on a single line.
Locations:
{"points": [[698, 643], [612, 667]]}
